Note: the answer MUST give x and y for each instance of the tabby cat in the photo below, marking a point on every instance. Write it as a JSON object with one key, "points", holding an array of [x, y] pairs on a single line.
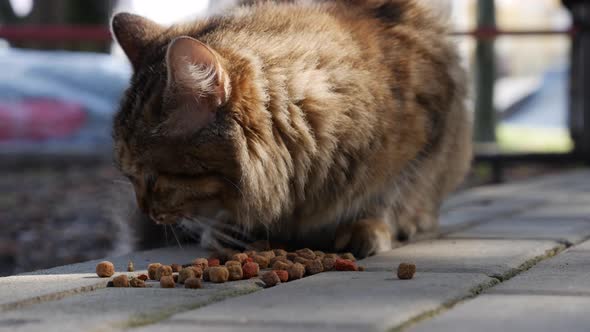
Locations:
{"points": [[339, 124]]}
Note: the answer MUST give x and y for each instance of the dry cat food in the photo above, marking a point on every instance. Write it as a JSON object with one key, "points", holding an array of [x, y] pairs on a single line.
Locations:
{"points": [[163, 271], [328, 263], [406, 271], [280, 252], [342, 264], [152, 268], [250, 270], [235, 272], [240, 257], [203, 263], [232, 262], [137, 283], [270, 279], [262, 261], [121, 281], [213, 262], [193, 283], [105, 269], [143, 277], [130, 267], [176, 267], [306, 253], [282, 274], [296, 271], [218, 274], [167, 282], [186, 273], [313, 267], [281, 265], [348, 256]]}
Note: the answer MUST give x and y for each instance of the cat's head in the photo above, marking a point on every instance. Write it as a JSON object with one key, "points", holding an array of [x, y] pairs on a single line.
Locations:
{"points": [[176, 136]]}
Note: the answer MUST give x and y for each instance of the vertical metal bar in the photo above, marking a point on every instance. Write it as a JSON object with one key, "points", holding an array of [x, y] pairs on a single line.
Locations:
{"points": [[485, 74], [579, 113]]}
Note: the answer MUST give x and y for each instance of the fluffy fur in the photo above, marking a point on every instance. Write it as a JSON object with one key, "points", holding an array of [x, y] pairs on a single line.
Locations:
{"points": [[344, 119]]}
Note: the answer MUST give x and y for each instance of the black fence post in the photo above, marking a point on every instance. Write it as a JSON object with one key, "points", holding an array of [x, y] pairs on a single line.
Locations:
{"points": [[579, 113]]}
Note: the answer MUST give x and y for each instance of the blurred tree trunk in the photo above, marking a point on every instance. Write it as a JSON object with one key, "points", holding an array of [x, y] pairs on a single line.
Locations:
{"points": [[62, 12]]}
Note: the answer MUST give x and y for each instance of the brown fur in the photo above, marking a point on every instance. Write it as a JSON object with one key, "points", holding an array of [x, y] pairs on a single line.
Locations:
{"points": [[346, 116]]}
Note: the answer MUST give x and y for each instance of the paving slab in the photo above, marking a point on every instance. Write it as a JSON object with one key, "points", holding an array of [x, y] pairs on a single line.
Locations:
{"points": [[563, 275], [551, 296], [361, 301], [535, 313], [117, 308], [56, 283], [493, 257], [563, 212], [572, 231]]}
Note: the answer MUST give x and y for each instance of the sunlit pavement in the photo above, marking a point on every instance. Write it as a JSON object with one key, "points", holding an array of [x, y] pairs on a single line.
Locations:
{"points": [[510, 257]]}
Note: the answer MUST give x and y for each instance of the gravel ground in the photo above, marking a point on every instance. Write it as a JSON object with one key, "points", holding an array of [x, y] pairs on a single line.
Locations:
{"points": [[51, 216]]}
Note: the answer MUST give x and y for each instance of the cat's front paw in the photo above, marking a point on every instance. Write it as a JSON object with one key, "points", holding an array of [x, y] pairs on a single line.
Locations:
{"points": [[364, 238]]}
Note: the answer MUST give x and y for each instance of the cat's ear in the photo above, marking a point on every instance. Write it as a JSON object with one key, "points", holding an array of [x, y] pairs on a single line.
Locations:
{"points": [[195, 70], [134, 33], [197, 85]]}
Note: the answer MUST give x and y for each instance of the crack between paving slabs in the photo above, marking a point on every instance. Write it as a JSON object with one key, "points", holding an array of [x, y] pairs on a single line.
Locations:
{"points": [[51, 297], [477, 290], [151, 318]]}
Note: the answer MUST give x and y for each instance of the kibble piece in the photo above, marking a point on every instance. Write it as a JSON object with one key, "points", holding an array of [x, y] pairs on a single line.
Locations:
{"points": [[235, 272], [105, 269], [167, 282], [163, 271], [137, 283], [277, 259], [348, 255], [186, 273], [203, 263], [280, 252], [121, 281], [361, 268], [251, 253], [314, 267], [319, 254], [335, 256], [270, 279], [143, 277], [306, 253], [280, 265], [232, 262], [291, 256], [344, 265], [176, 267], [213, 262], [262, 261], [193, 283], [175, 277], [218, 274], [198, 271], [328, 263], [223, 255], [296, 271], [152, 269], [268, 253], [130, 267], [240, 257], [282, 274], [206, 274], [406, 271], [300, 260], [250, 270]]}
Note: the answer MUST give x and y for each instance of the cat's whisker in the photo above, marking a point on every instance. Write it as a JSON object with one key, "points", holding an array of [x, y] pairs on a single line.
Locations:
{"points": [[175, 237]]}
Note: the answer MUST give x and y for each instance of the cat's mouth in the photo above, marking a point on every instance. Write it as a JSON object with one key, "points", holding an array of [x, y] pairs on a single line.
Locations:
{"points": [[169, 218]]}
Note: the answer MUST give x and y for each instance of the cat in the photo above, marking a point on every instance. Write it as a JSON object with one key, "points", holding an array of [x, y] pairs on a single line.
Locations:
{"points": [[340, 123]]}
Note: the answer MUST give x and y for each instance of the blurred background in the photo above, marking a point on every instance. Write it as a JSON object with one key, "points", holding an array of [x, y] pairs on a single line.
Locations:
{"points": [[61, 78]]}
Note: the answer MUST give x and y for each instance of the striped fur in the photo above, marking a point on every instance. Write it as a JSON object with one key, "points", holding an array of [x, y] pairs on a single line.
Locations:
{"points": [[342, 118]]}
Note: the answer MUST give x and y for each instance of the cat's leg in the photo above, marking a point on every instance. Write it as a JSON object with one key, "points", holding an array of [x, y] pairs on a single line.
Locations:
{"points": [[364, 237]]}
